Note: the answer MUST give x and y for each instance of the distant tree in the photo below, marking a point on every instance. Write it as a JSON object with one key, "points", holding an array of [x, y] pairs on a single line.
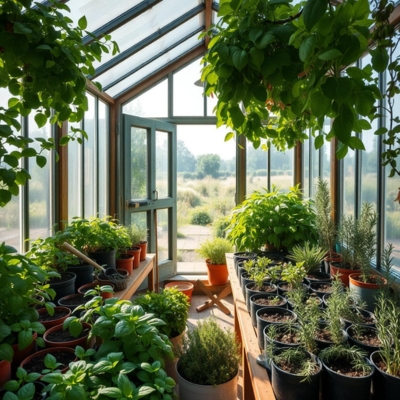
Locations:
{"points": [[229, 165], [209, 164], [186, 161], [256, 158]]}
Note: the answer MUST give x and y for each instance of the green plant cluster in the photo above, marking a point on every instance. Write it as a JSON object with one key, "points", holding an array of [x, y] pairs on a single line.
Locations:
{"points": [[200, 218], [44, 66], [308, 254], [137, 234], [285, 63], [274, 218], [214, 250], [209, 345], [170, 305]]}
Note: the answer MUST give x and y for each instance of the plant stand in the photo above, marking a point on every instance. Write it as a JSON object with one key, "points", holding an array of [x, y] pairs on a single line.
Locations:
{"points": [[214, 299]]}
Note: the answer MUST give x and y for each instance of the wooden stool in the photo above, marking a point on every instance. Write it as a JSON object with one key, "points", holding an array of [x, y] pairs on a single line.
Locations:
{"points": [[214, 299]]}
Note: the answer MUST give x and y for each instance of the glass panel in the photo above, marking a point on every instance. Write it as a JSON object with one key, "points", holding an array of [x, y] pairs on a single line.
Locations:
{"points": [[10, 214], [148, 23], [282, 168], [152, 50], [349, 183], [98, 12], [162, 235], [150, 104], [139, 219], [211, 103], [306, 167], [74, 179], [162, 151], [90, 161], [40, 188], [104, 187], [152, 67], [315, 154], [326, 161], [139, 163], [257, 168], [203, 201], [185, 88]]}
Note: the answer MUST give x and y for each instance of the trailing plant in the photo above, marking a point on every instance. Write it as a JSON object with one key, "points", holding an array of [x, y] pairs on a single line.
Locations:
{"points": [[214, 250], [310, 255], [209, 355], [45, 62], [279, 70], [272, 218], [323, 208], [170, 305]]}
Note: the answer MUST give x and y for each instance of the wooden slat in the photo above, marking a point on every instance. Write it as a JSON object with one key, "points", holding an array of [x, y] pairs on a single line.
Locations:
{"points": [[256, 383]]}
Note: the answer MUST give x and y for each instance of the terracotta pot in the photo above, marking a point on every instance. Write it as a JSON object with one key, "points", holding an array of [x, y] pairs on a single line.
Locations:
{"points": [[105, 295], [5, 372], [51, 350], [53, 322], [331, 257], [73, 300], [343, 273], [135, 251], [19, 355], [125, 262], [82, 341], [184, 287], [365, 292], [143, 250], [217, 274]]}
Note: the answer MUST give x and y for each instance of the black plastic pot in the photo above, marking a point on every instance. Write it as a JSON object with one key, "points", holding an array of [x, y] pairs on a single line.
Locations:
{"points": [[315, 288], [356, 342], [63, 286], [244, 280], [250, 291], [323, 344], [282, 290], [243, 255], [73, 300], [318, 277], [337, 386], [363, 313], [84, 274], [254, 307], [262, 323], [289, 386], [384, 386], [276, 343], [104, 258], [276, 258]]}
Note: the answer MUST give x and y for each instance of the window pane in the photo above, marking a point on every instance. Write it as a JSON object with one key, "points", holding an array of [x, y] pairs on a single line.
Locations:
{"points": [[74, 179], [103, 142], [138, 163], [40, 188], [282, 168], [162, 235], [90, 162], [184, 89], [257, 168], [306, 167], [150, 104], [162, 178], [349, 183]]}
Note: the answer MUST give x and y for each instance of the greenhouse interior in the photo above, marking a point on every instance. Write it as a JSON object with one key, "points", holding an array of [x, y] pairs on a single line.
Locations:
{"points": [[200, 202]]}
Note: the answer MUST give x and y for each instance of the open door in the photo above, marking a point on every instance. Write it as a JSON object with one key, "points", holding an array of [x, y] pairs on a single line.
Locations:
{"points": [[149, 150]]}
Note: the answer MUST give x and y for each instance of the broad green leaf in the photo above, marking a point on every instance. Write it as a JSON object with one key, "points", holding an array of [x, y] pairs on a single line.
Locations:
{"points": [[381, 131], [224, 8], [236, 116], [330, 54], [43, 47], [240, 59], [82, 23], [319, 141], [223, 52], [75, 392], [343, 124], [112, 392], [257, 56], [41, 161], [329, 88], [28, 152], [40, 119], [313, 11], [361, 9], [13, 101], [307, 48], [24, 339], [254, 34], [320, 104], [342, 150], [145, 390], [5, 197], [6, 351], [19, 27], [27, 391], [380, 59], [263, 41], [356, 143], [229, 136], [11, 160]]}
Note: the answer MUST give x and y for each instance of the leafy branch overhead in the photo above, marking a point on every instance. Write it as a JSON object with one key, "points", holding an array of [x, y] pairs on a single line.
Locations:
{"points": [[280, 71], [43, 65]]}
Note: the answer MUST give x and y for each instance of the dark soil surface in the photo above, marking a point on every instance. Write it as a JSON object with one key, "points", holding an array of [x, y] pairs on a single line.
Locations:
{"points": [[324, 288], [323, 335], [264, 288], [61, 336], [76, 300], [344, 367], [367, 337], [276, 317], [292, 368], [271, 301], [363, 319], [287, 337], [370, 279], [56, 315], [382, 366], [37, 363]]}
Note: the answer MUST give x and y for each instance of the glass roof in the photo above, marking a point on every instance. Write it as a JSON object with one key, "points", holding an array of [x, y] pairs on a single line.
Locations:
{"points": [[151, 34]]}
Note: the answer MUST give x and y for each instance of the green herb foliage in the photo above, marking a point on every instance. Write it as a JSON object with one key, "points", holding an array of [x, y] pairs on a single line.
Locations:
{"points": [[214, 250], [310, 255]]}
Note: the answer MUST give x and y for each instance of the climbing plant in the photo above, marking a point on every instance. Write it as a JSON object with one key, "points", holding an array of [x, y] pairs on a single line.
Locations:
{"points": [[43, 65], [280, 70]]}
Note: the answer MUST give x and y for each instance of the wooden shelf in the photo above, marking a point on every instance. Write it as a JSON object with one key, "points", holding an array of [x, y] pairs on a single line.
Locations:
{"points": [[146, 269], [256, 383]]}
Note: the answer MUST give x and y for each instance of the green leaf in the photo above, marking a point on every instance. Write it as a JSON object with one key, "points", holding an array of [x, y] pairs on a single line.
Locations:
{"points": [[380, 59], [307, 48], [82, 23], [28, 152], [13, 101], [342, 150], [257, 56], [112, 392], [330, 54], [27, 391], [313, 11], [229, 136], [24, 339], [19, 27], [145, 390], [254, 34], [343, 124], [6, 351], [40, 119], [236, 116], [240, 59], [360, 9], [41, 161], [5, 197], [356, 143], [319, 141], [263, 41], [381, 131], [319, 104], [43, 47], [11, 160]]}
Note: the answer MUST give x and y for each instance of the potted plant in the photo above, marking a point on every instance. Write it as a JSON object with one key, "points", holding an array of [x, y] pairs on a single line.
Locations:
{"points": [[292, 277], [327, 230], [99, 238], [272, 219], [23, 286], [138, 238], [311, 255], [213, 250], [209, 363], [25, 386]]}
